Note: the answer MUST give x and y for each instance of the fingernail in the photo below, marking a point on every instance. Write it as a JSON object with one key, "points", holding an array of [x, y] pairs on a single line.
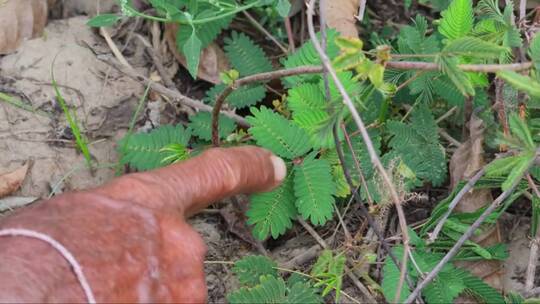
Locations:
{"points": [[280, 170]]}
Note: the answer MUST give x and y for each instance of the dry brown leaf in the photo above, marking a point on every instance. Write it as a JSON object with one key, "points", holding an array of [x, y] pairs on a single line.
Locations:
{"points": [[340, 15], [11, 181], [213, 59], [20, 20], [466, 161]]}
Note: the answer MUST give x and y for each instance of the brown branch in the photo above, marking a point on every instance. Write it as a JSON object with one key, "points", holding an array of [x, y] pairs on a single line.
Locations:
{"points": [[399, 65], [482, 68]]}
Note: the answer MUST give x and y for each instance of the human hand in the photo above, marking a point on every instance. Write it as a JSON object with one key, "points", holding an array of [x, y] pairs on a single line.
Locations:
{"points": [[130, 235]]}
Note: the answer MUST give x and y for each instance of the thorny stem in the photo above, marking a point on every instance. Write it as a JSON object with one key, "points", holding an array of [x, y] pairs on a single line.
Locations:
{"points": [[361, 126], [290, 36], [400, 65], [454, 250], [482, 68], [322, 21]]}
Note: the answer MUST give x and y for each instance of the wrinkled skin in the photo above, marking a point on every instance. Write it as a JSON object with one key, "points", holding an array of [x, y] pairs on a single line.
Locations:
{"points": [[130, 235]]}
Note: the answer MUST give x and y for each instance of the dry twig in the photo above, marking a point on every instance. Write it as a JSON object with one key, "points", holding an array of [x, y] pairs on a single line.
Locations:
{"points": [[173, 94], [533, 254]]}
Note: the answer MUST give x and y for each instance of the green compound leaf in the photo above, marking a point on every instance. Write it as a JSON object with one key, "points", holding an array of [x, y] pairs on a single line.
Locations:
{"points": [[478, 288], [391, 275], [303, 292], [523, 83], [307, 55], [445, 288], [270, 290], [146, 151], [242, 97], [457, 20], [449, 67], [245, 56], [534, 51], [308, 107], [276, 133], [519, 129], [201, 125], [314, 188], [249, 269], [429, 161], [475, 47], [272, 212]]}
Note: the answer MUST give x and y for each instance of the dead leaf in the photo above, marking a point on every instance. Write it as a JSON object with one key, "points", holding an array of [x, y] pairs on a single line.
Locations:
{"points": [[466, 161], [20, 20], [340, 15], [213, 59], [11, 181]]}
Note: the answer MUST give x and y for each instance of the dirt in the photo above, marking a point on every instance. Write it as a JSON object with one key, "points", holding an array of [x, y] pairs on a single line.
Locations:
{"points": [[91, 87]]}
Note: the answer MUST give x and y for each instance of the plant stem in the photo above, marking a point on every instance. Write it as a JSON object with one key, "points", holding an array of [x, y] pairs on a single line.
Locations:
{"points": [[367, 140], [483, 68], [229, 13], [363, 208]]}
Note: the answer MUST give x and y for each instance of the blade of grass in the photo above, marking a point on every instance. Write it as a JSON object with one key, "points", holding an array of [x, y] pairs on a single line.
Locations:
{"points": [[21, 105], [133, 122], [71, 117]]}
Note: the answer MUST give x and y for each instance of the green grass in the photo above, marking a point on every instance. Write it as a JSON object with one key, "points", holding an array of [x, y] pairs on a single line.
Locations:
{"points": [[71, 117]]}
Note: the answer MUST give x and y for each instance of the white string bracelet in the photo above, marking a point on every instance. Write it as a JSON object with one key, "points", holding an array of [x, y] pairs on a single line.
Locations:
{"points": [[77, 269]]}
